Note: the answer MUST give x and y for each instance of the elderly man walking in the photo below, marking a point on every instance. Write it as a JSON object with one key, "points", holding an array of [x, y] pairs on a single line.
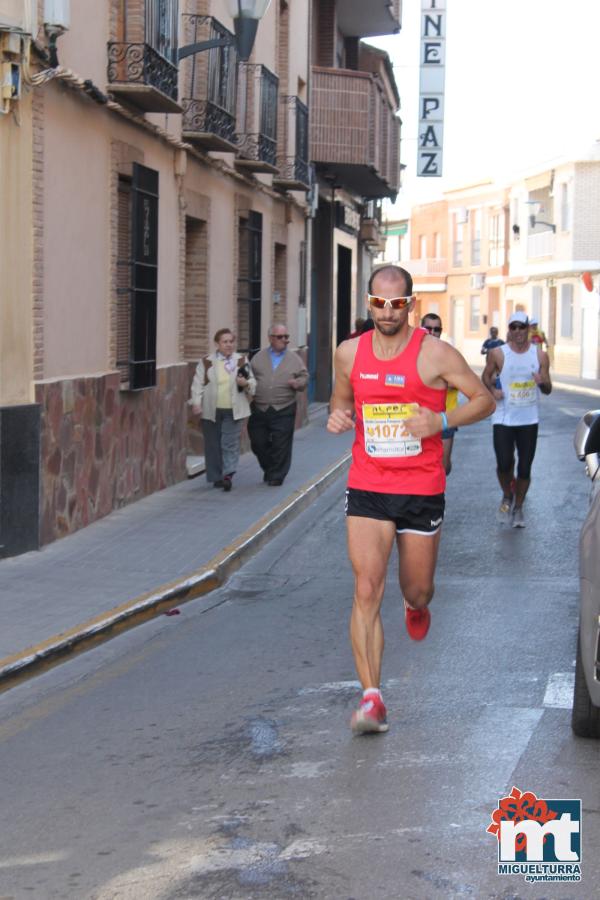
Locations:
{"points": [[280, 374]]}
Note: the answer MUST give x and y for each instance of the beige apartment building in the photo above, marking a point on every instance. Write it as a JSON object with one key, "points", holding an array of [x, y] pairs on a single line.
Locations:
{"points": [[554, 252], [154, 197], [355, 148], [533, 244], [428, 260], [477, 265]]}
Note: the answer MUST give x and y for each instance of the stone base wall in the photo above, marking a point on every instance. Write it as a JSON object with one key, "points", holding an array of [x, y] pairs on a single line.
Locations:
{"points": [[102, 448]]}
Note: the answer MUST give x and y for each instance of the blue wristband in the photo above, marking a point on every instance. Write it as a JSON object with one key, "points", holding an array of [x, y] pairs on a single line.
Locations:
{"points": [[444, 421]]}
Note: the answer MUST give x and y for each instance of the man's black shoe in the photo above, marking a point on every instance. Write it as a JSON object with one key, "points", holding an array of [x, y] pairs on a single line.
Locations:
{"points": [[275, 482]]}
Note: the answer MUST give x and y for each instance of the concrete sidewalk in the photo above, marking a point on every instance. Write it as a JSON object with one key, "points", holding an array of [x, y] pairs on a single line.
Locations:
{"points": [[152, 555]]}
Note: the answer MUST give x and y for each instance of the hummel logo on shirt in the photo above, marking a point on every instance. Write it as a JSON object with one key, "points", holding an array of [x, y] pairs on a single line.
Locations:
{"points": [[435, 522], [369, 376]]}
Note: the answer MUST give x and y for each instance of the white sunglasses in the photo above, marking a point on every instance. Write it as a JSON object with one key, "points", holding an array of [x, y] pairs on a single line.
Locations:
{"points": [[382, 302]]}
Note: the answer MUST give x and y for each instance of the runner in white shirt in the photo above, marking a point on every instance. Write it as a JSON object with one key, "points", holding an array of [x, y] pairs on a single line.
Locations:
{"points": [[524, 370]]}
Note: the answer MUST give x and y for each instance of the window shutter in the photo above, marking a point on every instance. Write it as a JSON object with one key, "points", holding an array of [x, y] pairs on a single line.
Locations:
{"points": [[123, 278], [144, 277]]}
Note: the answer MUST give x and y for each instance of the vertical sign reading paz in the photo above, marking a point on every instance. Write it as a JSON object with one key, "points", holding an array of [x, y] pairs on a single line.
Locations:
{"points": [[431, 90]]}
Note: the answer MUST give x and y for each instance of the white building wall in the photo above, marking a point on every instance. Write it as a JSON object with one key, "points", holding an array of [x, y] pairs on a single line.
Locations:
{"points": [[586, 211]]}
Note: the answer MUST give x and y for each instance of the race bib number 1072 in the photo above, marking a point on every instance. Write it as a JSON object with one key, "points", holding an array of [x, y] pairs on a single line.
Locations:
{"points": [[385, 430]]}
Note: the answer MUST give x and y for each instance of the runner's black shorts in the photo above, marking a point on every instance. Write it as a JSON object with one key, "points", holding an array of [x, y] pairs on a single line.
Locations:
{"points": [[411, 513]]}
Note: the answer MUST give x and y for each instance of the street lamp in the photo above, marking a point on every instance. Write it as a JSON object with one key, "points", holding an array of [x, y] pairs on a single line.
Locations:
{"points": [[536, 209], [246, 16]]}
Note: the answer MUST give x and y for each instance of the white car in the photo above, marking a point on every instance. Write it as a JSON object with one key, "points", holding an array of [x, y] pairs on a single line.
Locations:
{"points": [[585, 719]]}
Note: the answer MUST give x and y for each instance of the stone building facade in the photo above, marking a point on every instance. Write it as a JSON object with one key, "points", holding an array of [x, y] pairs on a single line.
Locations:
{"points": [[155, 201]]}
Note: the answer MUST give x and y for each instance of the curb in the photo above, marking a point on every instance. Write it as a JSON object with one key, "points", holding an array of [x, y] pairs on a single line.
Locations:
{"points": [[60, 647]]}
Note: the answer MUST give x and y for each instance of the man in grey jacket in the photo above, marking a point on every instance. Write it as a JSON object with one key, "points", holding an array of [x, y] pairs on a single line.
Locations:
{"points": [[279, 374]]}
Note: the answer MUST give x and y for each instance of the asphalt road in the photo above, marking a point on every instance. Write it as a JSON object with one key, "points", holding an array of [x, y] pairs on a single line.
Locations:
{"points": [[208, 755]]}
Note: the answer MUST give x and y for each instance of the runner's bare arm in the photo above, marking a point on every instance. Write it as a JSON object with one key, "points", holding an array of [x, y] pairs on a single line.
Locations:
{"points": [[445, 363], [493, 367], [341, 405], [542, 378]]}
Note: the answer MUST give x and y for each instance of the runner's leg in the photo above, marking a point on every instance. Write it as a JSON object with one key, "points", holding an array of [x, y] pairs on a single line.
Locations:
{"points": [[370, 543], [417, 557], [526, 439], [504, 448]]}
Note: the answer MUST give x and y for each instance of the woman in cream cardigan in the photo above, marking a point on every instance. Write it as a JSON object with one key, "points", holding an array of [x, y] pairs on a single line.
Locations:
{"points": [[221, 393]]}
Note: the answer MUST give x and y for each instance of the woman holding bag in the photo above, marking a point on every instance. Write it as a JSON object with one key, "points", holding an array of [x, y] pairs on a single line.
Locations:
{"points": [[221, 391]]}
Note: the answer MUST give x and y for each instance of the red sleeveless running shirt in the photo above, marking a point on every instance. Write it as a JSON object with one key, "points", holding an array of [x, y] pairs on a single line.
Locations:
{"points": [[385, 458]]}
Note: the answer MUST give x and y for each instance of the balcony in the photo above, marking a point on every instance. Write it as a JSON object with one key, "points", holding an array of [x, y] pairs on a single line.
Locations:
{"points": [[292, 161], [421, 267], [357, 18], [540, 245], [257, 118], [355, 134], [141, 70], [209, 87]]}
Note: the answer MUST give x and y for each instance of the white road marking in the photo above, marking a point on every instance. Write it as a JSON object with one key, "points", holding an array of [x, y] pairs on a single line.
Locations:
{"points": [[575, 413], [559, 690], [33, 860]]}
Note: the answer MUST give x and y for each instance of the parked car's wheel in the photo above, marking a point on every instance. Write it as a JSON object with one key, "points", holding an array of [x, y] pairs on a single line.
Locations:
{"points": [[585, 719]]}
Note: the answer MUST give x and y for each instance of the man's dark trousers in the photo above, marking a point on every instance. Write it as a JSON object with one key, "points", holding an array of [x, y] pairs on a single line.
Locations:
{"points": [[271, 433]]}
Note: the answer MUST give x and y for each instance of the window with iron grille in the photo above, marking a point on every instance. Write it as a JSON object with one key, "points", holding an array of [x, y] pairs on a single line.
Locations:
{"points": [[123, 278], [137, 278], [249, 283], [302, 264]]}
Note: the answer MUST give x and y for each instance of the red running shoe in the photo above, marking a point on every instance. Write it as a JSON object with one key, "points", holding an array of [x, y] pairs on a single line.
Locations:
{"points": [[370, 717], [417, 621]]}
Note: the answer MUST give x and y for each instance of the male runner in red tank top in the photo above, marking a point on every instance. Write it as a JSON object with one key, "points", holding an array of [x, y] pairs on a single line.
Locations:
{"points": [[391, 386]]}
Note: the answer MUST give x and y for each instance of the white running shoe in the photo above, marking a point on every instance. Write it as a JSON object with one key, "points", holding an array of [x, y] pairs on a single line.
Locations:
{"points": [[503, 514], [517, 518]]}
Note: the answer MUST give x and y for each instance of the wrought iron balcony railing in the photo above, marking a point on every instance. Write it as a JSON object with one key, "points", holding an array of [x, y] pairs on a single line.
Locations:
{"points": [[292, 158], [148, 80], [141, 58], [257, 118], [209, 87]]}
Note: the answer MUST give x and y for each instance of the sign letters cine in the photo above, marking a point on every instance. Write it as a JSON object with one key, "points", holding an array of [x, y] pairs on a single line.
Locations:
{"points": [[431, 90]]}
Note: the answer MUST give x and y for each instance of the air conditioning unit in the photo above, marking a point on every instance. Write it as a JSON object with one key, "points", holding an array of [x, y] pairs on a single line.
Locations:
{"points": [[19, 15], [477, 281], [462, 215]]}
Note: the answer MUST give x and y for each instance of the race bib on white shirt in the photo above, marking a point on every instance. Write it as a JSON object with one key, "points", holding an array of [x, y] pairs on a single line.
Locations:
{"points": [[522, 393], [385, 430]]}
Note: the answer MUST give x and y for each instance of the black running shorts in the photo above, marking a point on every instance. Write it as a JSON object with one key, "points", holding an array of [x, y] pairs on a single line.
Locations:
{"points": [[411, 513]]}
